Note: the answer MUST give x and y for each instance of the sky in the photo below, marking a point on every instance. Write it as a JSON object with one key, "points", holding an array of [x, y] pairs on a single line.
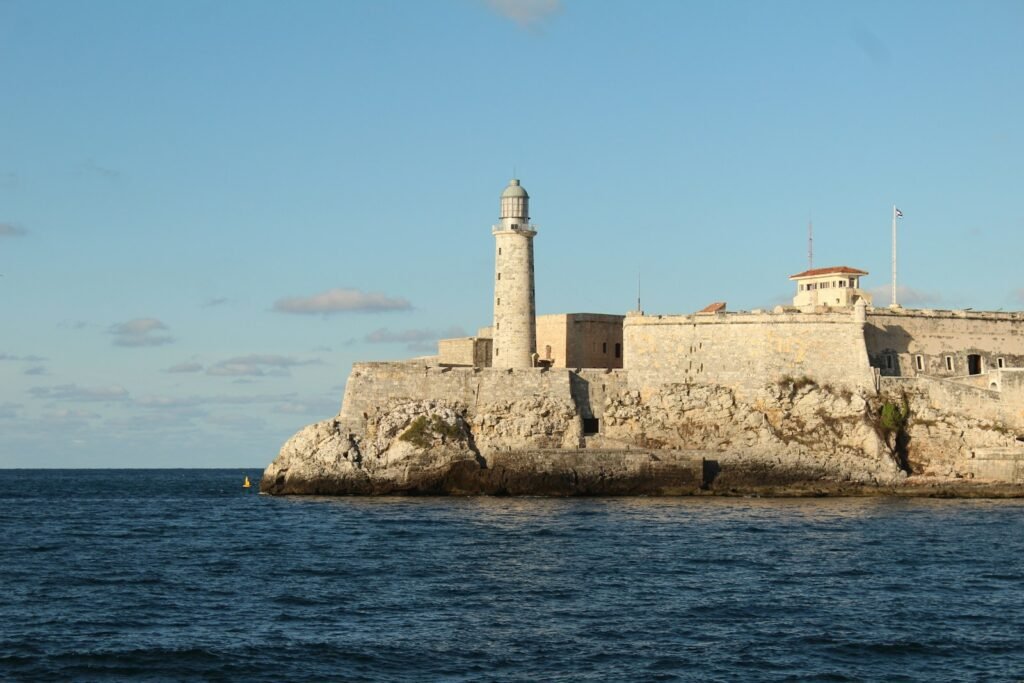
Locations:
{"points": [[209, 210]]}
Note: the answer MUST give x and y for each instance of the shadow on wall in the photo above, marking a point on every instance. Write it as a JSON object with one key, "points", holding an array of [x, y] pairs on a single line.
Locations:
{"points": [[580, 390]]}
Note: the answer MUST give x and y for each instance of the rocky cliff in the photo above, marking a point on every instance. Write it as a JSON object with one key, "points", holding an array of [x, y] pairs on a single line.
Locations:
{"points": [[791, 436]]}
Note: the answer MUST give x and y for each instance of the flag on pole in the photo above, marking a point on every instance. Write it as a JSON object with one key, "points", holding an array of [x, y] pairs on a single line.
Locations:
{"points": [[899, 214]]}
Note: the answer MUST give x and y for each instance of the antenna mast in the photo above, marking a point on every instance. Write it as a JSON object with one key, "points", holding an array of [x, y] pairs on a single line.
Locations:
{"points": [[638, 309], [810, 244]]}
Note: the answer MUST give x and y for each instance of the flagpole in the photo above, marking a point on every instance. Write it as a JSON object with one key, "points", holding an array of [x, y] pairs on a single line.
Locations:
{"points": [[893, 303]]}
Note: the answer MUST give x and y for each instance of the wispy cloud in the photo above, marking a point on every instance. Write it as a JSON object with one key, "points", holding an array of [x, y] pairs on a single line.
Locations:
{"points": [[9, 411], [341, 301], [872, 46], [237, 422], [194, 401], [415, 340], [526, 13], [90, 167], [907, 296], [323, 406], [257, 365], [189, 366], [215, 301], [35, 370], [12, 230], [73, 392], [70, 415], [27, 359], [140, 332]]}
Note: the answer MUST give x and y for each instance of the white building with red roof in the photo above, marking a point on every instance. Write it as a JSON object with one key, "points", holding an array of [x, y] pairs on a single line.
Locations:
{"points": [[837, 286]]}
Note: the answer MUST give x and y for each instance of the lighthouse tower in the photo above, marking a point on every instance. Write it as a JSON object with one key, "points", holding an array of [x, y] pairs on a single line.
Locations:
{"points": [[515, 309]]}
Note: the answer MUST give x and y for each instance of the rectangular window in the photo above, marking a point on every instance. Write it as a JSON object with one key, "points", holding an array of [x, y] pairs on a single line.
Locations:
{"points": [[591, 425], [604, 347], [851, 282], [919, 360], [999, 363], [949, 363], [499, 251], [499, 276], [888, 362], [618, 352]]}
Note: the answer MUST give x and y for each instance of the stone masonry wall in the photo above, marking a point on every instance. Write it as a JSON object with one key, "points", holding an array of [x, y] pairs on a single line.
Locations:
{"points": [[904, 334], [744, 351]]}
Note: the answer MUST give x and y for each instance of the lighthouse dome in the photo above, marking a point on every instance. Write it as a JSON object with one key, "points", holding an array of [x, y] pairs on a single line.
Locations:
{"points": [[515, 203], [514, 189]]}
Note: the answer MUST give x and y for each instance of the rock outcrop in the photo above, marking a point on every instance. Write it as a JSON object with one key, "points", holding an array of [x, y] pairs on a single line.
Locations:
{"points": [[791, 437]]}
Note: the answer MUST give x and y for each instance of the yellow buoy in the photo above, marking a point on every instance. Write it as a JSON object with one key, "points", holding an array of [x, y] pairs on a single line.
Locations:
{"points": [[246, 484]]}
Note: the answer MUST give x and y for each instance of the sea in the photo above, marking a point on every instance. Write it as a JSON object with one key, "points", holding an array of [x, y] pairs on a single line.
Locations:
{"points": [[176, 575]]}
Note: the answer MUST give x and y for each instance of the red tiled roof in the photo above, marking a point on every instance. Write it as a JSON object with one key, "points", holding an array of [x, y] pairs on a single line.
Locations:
{"points": [[716, 307], [828, 271]]}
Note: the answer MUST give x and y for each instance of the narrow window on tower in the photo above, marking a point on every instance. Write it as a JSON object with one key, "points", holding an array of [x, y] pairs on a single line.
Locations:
{"points": [[604, 347], [920, 362], [618, 350], [499, 301], [499, 276], [499, 251]]}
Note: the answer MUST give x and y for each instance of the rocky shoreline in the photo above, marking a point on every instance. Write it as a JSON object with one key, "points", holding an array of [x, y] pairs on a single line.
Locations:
{"points": [[791, 439]]}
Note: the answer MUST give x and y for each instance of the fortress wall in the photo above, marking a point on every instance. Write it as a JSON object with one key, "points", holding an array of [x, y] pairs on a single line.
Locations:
{"points": [[744, 351], [592, 339], [959, 398], [552, 335], [591, 387], [904, 334], [471, 351], [373, 384]]}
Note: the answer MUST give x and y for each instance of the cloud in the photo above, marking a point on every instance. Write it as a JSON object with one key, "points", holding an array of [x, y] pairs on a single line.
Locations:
{"points": [[525, 12], [256, 365], [341, 301], [237, 422], [414, 340], [70, 415], [12, 230], [194, 401], [35, 370], [185, 367], [323, 406], [27, 359], [90, 167], [73, 392], [9, 411], [140, 332], [872, 46], [215, 301], [907, 296]]}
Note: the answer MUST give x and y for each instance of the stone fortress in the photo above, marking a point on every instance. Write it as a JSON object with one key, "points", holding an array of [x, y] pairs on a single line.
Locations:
{"points": [[828, 392]]}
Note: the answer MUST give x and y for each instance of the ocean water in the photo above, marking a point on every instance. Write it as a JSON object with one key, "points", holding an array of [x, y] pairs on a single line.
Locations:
{"points": [[183, 575]]}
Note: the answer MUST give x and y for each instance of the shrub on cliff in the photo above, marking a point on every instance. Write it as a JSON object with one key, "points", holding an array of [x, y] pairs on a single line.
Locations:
{"points": [[890, 422], [423, 431]]}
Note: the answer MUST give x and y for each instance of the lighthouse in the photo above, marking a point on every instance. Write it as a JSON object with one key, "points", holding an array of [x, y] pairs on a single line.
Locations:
{"points": [[515, 308]]}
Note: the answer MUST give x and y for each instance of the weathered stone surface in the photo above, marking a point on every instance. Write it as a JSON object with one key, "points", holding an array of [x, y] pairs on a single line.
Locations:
{"points": [[415, 429]]}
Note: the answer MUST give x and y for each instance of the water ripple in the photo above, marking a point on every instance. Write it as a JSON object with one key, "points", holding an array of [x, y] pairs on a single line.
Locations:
{"points": [[179, 575]]}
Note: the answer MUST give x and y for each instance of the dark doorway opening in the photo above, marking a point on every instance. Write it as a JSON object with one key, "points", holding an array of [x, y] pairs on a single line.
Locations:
{"points": [[591, 425], [973, 364]]}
